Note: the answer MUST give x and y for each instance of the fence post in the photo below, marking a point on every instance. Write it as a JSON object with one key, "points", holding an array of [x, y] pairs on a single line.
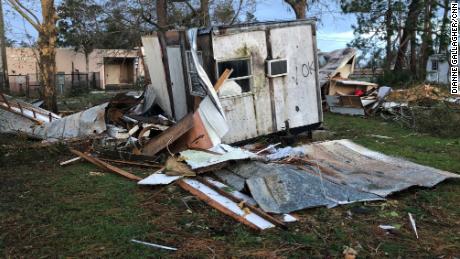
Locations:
{"points": [[87, 82], [27, 86]]}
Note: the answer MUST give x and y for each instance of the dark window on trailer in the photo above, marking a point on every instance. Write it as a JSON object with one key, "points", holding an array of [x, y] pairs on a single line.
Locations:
{"points": [[242, 72], [434, 64], [195, 86]]}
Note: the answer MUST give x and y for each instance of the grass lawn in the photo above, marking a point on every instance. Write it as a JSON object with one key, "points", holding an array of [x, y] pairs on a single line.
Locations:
{"points": [[52, 211]]}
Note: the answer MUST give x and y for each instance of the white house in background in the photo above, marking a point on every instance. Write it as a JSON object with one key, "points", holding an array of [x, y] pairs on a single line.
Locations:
{"points": [[437, 69]]}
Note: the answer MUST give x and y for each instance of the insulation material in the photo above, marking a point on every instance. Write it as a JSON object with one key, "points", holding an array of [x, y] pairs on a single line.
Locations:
{"points": [[230, 88]]}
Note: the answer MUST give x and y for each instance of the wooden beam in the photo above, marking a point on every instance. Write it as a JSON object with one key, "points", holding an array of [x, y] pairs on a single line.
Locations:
{"points": [[231, 197], [167, 137], [225, 75], [105, 166], [131, 163], [215, 204]]}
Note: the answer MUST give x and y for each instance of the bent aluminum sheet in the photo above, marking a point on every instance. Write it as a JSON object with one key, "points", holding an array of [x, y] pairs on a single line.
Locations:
{"points": [[371, 171], [282, 188], [86, 123], [199, 159], [343, 172]]}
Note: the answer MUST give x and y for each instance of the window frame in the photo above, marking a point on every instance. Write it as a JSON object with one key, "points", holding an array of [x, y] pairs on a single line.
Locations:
{"points": [[189, 59], [434, 64], [250, 76]]}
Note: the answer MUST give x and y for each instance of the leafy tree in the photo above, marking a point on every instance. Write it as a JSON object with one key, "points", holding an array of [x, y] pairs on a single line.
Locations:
{"points": [[79, 25], [377, 21]]}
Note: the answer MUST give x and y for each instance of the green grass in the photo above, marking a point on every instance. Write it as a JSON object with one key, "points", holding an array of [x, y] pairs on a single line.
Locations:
{"points": [[442, 153], [52, 211]]}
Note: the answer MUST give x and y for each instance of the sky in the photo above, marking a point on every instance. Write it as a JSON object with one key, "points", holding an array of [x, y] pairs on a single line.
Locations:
{"points": [[334, 28]]}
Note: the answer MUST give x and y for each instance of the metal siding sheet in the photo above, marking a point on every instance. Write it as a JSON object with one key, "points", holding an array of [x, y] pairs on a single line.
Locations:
{"points": [[154, 61], [178, 81], [240, 117], [255, 107], [296, 95]]}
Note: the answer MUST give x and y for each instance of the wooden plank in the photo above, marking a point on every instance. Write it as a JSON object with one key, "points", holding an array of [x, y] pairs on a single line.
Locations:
{"points": [[225, 75], [215, 204], [231, 197], [167, 137], [130, 163], [75, 159], [103, 165]]}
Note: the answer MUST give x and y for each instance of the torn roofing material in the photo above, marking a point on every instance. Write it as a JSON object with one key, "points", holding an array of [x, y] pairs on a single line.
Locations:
{"points": [[198, 159], [371, 171], [331, 173], [282, 188], [340, 61]]}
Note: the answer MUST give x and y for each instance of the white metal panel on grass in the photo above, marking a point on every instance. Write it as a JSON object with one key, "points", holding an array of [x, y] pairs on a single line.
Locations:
{"points": [[295, 94]]}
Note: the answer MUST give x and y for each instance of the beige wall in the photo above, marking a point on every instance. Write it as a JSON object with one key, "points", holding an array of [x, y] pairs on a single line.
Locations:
{"points": [[23, 61]]}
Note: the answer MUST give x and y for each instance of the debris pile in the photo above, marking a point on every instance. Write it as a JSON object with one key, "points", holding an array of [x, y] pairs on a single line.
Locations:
{"points": [[343, 95], [257, 188]]}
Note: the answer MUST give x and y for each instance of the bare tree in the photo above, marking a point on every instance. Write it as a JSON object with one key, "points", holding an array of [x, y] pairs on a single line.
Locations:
{"points": [[299, 7], [47, 35]]}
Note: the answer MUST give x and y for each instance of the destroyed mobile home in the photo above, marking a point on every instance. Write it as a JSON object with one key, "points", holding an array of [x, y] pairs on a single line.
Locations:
{"points": [[185, 140], [342, 95]]}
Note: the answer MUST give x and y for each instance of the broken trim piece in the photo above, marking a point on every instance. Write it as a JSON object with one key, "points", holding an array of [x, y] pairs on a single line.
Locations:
{"points": [[105, 166], [224, 204]]}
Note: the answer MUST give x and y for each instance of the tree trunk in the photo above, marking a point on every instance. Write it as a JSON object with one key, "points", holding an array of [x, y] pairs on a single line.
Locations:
{"points": [[409, 28], [444, 37], [86, 53], [427, 42], [299, 7], [389, 31], [204, 12], [413, 53], [4, 86], [47, 53], [162, 14]]}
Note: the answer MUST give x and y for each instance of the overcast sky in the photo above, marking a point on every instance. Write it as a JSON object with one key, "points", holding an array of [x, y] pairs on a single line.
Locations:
{"points": [[334, 28]]}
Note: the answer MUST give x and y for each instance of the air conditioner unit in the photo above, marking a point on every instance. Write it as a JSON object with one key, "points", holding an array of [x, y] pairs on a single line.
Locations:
{"points": [[277, 67]]}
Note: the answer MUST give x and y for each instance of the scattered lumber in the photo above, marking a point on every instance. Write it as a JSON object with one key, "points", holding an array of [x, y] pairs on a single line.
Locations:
{"points": [[103, 165]]}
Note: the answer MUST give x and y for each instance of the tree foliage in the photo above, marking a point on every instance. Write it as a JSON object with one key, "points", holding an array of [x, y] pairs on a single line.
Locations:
{"points": [[406, 31]]}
